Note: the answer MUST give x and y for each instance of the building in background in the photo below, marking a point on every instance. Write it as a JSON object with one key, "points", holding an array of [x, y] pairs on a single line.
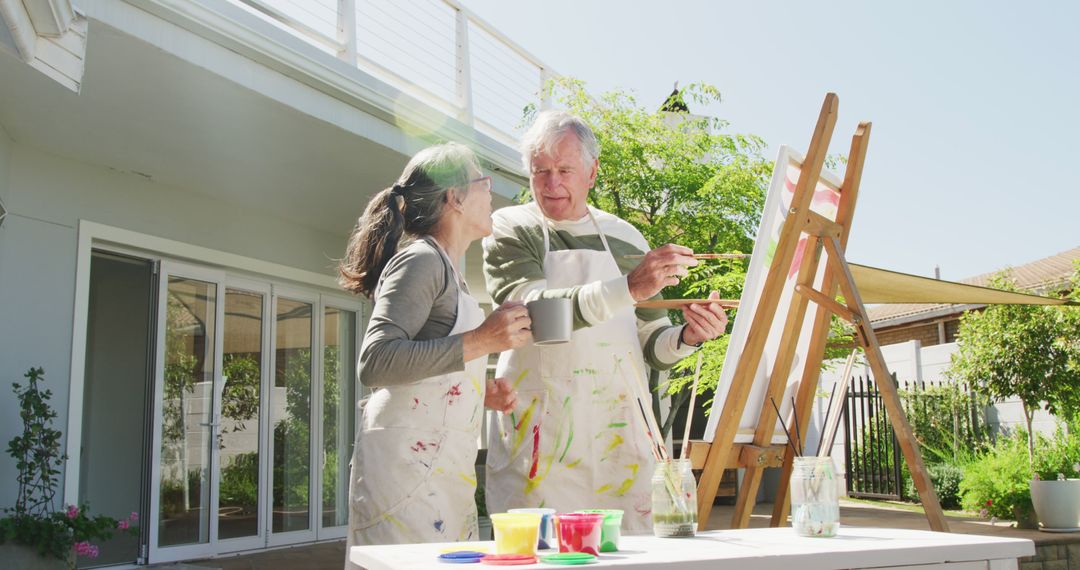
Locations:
{"points": [[177, 178]]}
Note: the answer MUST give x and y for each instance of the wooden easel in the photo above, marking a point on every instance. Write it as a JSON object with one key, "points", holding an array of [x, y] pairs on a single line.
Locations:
{"points": [[823, 235]]}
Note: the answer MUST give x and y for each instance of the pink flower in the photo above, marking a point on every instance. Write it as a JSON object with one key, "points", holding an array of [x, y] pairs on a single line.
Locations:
{"points": [[134, 516], [82, 548], [72, 511], [93, 551], [122, 525]]}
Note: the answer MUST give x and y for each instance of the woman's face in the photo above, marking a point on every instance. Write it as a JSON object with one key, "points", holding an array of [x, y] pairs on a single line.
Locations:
{"points": [[476, 205]]}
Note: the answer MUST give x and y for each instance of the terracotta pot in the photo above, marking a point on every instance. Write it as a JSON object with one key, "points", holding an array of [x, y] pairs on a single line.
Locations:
{"points": [[1057, 503]]}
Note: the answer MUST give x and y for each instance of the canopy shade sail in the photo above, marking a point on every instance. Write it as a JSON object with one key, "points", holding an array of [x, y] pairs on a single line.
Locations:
{"points": [[884, 286]]}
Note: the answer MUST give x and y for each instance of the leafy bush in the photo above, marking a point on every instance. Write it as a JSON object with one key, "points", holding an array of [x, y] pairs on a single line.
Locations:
{"points": [[1059, 457], [998, 481], [946, 478]]}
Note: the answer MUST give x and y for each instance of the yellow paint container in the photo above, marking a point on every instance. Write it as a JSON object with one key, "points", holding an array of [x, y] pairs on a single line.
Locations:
{"points": [[515, 533]]}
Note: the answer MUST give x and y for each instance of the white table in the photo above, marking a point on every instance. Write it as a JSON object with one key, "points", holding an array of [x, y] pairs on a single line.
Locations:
{"points": [[759, 549]]}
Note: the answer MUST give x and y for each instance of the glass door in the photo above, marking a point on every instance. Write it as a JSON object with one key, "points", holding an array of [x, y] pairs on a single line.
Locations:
{"points": [[338, 412], [241, 444], [188, 390]]}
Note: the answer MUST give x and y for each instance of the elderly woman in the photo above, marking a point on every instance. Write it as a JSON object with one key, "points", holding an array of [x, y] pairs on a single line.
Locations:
{"points": [[424, 353]]}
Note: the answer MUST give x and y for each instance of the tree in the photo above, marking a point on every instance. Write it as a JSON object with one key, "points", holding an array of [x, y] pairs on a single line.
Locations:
{"points": [[678, 178], [1031, 352]]}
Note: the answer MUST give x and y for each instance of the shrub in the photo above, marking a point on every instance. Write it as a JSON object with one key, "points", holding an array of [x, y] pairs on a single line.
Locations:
{"points": [[998, 481], [946, 478]]}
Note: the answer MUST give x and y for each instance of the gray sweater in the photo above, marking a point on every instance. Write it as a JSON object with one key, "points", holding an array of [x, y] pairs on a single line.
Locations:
{"points": [[415, 309]]}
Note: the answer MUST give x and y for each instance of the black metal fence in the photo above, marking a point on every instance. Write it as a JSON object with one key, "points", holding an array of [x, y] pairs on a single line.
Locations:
{"points": [[944, 417], [873, 456]]}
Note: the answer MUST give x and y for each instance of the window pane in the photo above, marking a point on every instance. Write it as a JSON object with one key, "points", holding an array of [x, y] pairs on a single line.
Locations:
{"points": [[339, 399], [187, 412], [290, 409], [238, 505]]}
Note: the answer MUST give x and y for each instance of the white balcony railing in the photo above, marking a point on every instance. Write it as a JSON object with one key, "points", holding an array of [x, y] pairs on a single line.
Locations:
{"points": [[435, 50]]}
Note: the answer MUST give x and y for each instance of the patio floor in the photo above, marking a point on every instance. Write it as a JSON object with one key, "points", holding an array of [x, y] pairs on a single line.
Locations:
{"points": [[1055, 551]]}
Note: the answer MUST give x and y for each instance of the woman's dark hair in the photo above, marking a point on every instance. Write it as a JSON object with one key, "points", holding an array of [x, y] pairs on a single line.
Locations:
{"points": [[411, 207]]}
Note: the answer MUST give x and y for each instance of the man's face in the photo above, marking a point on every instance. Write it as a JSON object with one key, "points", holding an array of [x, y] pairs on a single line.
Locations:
{"points": [[560, 181]]}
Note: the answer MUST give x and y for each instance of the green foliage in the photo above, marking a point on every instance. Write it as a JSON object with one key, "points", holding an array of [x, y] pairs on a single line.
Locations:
{"points": [[240, 480], [946, 478], [33, 521], [998, 481], [1059, 456], [1029, 352], [948, 421]]}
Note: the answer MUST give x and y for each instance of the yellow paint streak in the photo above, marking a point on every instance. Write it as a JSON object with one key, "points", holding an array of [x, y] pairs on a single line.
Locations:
{"points": [[520, 378], [519, 434], [615, 442], [573, 463], [468, 479]]}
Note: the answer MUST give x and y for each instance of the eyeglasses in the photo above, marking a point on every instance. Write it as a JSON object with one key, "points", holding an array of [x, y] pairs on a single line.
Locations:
{"points": [[485, 179]]}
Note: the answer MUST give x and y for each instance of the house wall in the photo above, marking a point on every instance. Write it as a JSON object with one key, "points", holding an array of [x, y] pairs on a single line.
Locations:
{"points": [[47, 196]]}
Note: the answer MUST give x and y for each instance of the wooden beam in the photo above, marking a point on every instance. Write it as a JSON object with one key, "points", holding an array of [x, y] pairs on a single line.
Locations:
{"points": [[750, 358], [817, 225], [781, 370], [889, 395], [823, 301], [819, 334], [741, 455]]}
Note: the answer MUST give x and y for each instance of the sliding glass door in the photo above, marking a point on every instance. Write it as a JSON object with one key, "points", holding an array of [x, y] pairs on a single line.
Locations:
{"points": [[254, 414]]}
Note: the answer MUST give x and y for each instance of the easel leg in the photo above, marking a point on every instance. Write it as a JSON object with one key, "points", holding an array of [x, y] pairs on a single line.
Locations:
{"points": [[889, 395], [747, 498]]}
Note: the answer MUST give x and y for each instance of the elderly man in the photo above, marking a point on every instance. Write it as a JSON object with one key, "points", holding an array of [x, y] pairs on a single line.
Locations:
{"points": [[575, 439]]}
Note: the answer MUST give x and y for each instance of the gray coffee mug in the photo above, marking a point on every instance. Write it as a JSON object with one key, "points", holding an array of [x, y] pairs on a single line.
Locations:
{"points": [[552, 320]]}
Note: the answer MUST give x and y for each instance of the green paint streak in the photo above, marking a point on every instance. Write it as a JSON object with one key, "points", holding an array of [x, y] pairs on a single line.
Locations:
{"points": [[570, 437], [616, 424]]}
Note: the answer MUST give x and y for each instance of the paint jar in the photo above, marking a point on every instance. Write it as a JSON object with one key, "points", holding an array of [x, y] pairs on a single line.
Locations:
{"points": [[674, 499], [515, 533], [579, 532], [815, 506], [546, 534], [610, 529]]}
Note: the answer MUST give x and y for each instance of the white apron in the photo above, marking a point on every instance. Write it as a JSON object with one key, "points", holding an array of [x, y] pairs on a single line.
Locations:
{"points": [[413, 466], [575, 439]]}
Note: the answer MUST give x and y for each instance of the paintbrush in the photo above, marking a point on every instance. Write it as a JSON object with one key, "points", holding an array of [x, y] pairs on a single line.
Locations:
{"points": [[700, 256]]}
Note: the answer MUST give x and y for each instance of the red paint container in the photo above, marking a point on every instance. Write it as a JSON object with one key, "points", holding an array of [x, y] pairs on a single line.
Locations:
{"points": [[579, 532]]}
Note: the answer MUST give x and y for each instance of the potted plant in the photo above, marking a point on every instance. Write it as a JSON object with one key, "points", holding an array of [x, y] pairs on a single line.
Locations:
{"points": [[1029, 352], [1055, 489], [33, 534]]}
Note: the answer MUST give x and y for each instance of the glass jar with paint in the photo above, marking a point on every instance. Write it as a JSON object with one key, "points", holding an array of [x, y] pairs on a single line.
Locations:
{"points": [[674, 499], [815, 506]]}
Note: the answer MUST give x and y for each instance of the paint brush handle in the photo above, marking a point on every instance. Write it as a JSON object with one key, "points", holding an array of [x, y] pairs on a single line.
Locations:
{"points": [[701, 256]]}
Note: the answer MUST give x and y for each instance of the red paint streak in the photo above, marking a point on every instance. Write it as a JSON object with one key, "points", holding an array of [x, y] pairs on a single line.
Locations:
{"points": [[422, 446], [535, 451], [453, 393], [415, 403], [826, 195], [797, 261]]}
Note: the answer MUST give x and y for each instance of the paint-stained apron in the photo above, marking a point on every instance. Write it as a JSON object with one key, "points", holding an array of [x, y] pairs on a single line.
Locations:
{"points": [[413, 466], [575, 439]]}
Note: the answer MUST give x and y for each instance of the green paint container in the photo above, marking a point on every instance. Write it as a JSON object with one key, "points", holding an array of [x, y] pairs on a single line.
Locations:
{"points": [[610, 529]]}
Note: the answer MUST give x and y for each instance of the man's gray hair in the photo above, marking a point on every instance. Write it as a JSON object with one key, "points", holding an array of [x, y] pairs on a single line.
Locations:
{"points": [[549, 128]]}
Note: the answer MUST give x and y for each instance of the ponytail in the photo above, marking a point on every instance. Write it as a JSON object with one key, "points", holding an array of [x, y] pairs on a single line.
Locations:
{"points": [[373, 242], [412, 206]]}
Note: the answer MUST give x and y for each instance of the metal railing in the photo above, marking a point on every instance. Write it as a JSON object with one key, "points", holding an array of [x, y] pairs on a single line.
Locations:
{"points": [[435, 50]]}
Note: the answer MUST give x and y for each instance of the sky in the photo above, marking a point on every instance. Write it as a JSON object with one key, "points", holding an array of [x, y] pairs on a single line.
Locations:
{"points": [[974, 105]]}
